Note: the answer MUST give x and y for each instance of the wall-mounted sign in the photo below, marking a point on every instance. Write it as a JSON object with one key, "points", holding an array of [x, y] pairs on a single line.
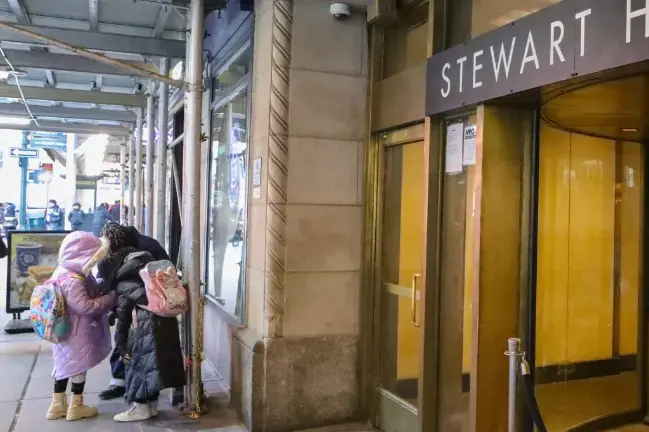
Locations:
{"points": [[47, 166], [570, 38], [256, 172]]}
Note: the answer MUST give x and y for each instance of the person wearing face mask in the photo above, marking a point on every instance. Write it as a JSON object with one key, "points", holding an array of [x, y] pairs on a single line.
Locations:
{"points": [[75, 217], [53, 216]]}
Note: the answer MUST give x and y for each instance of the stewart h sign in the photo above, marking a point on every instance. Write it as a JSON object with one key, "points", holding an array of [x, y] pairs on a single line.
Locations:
{"points": [[570, 38]]}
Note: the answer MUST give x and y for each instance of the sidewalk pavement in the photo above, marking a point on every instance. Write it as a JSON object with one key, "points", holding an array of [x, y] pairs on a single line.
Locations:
{"points": [[26, 387]]}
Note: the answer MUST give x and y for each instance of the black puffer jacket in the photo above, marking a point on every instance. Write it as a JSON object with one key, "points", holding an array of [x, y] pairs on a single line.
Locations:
{"points": [[156, 360]]}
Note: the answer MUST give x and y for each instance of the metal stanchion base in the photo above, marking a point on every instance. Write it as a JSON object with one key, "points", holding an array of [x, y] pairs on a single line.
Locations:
{"points": [[19, 326]]}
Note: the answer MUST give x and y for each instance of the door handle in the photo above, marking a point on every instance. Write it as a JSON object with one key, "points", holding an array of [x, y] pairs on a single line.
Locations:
{"points": [[414, 318]]}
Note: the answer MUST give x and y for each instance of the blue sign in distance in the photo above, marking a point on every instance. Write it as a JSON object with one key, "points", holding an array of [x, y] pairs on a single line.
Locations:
{"points": [[25, 153], [51, 140]]}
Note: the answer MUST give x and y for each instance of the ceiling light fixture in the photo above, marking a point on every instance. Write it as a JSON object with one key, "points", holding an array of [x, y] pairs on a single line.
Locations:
{"points": [[629, 129]]}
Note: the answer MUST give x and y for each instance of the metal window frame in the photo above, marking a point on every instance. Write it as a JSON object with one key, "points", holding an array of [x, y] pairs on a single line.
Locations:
{"points": [[243, 85]]}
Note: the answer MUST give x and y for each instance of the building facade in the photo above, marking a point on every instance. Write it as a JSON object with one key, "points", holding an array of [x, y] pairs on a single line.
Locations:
{"points": [[389, 197]]}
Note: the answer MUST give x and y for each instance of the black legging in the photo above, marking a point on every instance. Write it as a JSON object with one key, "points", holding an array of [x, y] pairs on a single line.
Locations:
{"points": [[60, 386]]}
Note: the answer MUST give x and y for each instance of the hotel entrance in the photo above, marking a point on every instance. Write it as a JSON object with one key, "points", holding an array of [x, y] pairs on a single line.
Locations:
{"points": [[589, 296]]}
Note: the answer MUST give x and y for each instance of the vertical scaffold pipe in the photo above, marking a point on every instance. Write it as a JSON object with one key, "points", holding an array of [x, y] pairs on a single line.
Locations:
{"points": [[191, 210], [122, 182], [137, 208], [148, 172], [161, 155], [131, 180]]}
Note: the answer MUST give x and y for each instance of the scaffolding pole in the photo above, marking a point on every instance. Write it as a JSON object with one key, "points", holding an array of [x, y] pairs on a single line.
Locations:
{"points": [[191, 201], [161, 155], [131, 179], [137, 208], [122, 182], [148, 173]]}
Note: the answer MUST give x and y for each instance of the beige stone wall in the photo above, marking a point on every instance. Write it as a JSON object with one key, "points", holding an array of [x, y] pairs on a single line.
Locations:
{"points": [[295, 366], [327, 99]]}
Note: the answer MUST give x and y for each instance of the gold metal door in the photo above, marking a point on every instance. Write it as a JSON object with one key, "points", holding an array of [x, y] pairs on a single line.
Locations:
{"points": [[399, 278]]}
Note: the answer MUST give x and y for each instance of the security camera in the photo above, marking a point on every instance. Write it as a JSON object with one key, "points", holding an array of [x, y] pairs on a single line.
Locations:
{"points": [[340, 11]]}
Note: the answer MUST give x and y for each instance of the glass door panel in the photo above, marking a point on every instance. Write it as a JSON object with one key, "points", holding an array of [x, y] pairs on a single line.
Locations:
{"points": [[402, 246], [590, 214]]}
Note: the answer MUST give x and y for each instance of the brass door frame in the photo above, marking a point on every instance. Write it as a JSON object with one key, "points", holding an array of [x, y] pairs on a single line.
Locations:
{"points": [[369, 356], [390, 413]]}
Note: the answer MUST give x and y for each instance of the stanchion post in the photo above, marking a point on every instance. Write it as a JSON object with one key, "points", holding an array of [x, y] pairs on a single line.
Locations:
{"points": [[514, 353]]}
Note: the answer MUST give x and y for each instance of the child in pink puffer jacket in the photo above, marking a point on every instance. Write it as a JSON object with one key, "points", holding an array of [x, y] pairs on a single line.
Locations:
{"points": [[87, 312]]}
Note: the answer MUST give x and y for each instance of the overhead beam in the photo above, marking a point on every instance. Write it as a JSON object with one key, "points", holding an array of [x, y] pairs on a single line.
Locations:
{"points": [[112, 42], [93, 15], [161, 22], [51, 94], [68, 63], [17, 109], [80, 128], [18, 8]]}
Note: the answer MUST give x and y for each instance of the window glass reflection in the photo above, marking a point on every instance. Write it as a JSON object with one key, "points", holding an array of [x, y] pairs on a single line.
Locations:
{"points": [[226, 204], [490, 14]]}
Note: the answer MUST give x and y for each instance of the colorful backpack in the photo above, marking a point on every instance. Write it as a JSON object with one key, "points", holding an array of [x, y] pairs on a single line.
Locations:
{"points": [[47, 310], [165, 292]]}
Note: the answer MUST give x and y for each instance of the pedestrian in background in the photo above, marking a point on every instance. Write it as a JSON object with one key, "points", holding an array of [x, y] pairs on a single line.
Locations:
{"points": [[53, 216], [101, 217], [76, 216]]}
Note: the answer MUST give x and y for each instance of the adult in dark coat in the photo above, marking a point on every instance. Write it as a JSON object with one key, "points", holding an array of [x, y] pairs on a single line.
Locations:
{"points": [[149, 344]]}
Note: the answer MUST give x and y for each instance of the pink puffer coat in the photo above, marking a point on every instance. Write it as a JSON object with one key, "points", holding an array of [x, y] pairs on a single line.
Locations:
{"points": [[89, 341]]}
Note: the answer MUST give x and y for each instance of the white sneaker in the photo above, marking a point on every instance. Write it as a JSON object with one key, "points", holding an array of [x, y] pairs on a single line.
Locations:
{"points": [[137, 412], [153, 407]]}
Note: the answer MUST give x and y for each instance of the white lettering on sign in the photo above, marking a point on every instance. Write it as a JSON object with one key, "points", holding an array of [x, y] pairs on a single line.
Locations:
{"points": [[476, 68], [446, 79], [581, 16], [528, 57], [502, 59], [555, 41], [461, 61], [630, 14]]}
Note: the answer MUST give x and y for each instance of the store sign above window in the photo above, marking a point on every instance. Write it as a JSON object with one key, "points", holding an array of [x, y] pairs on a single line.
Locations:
{"points": [[568, 39]]}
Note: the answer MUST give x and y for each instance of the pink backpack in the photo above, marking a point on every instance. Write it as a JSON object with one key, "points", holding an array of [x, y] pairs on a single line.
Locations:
{"points": [[165, 292]]}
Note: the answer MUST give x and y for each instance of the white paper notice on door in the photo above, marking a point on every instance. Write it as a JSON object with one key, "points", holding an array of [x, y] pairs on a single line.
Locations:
{"points": [[469, 157], [454, 148]]}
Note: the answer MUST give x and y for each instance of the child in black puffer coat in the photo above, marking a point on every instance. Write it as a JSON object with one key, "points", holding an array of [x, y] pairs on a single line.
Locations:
{"points": [[149, 344]]}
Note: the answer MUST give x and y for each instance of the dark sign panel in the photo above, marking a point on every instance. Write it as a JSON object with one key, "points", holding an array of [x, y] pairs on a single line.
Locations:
{"points": [[568, 39]]}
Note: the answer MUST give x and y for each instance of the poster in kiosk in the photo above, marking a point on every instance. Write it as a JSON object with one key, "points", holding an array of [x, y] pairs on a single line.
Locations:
{"points": [[32, 259]]}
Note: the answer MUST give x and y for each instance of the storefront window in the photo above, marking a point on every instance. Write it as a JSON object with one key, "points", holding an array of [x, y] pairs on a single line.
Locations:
{"points": [[228, 177], [406, 41], [468, 19]]}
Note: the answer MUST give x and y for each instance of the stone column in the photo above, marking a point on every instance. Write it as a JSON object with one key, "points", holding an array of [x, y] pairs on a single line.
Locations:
{"points": [[304, 226]]}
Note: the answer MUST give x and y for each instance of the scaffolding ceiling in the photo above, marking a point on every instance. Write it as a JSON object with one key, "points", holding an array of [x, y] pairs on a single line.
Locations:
{"points": [[77, 93]]}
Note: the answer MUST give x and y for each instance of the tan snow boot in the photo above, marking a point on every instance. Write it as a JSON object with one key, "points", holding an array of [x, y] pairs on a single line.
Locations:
{"points": [[78, 410], [59, 406]]}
